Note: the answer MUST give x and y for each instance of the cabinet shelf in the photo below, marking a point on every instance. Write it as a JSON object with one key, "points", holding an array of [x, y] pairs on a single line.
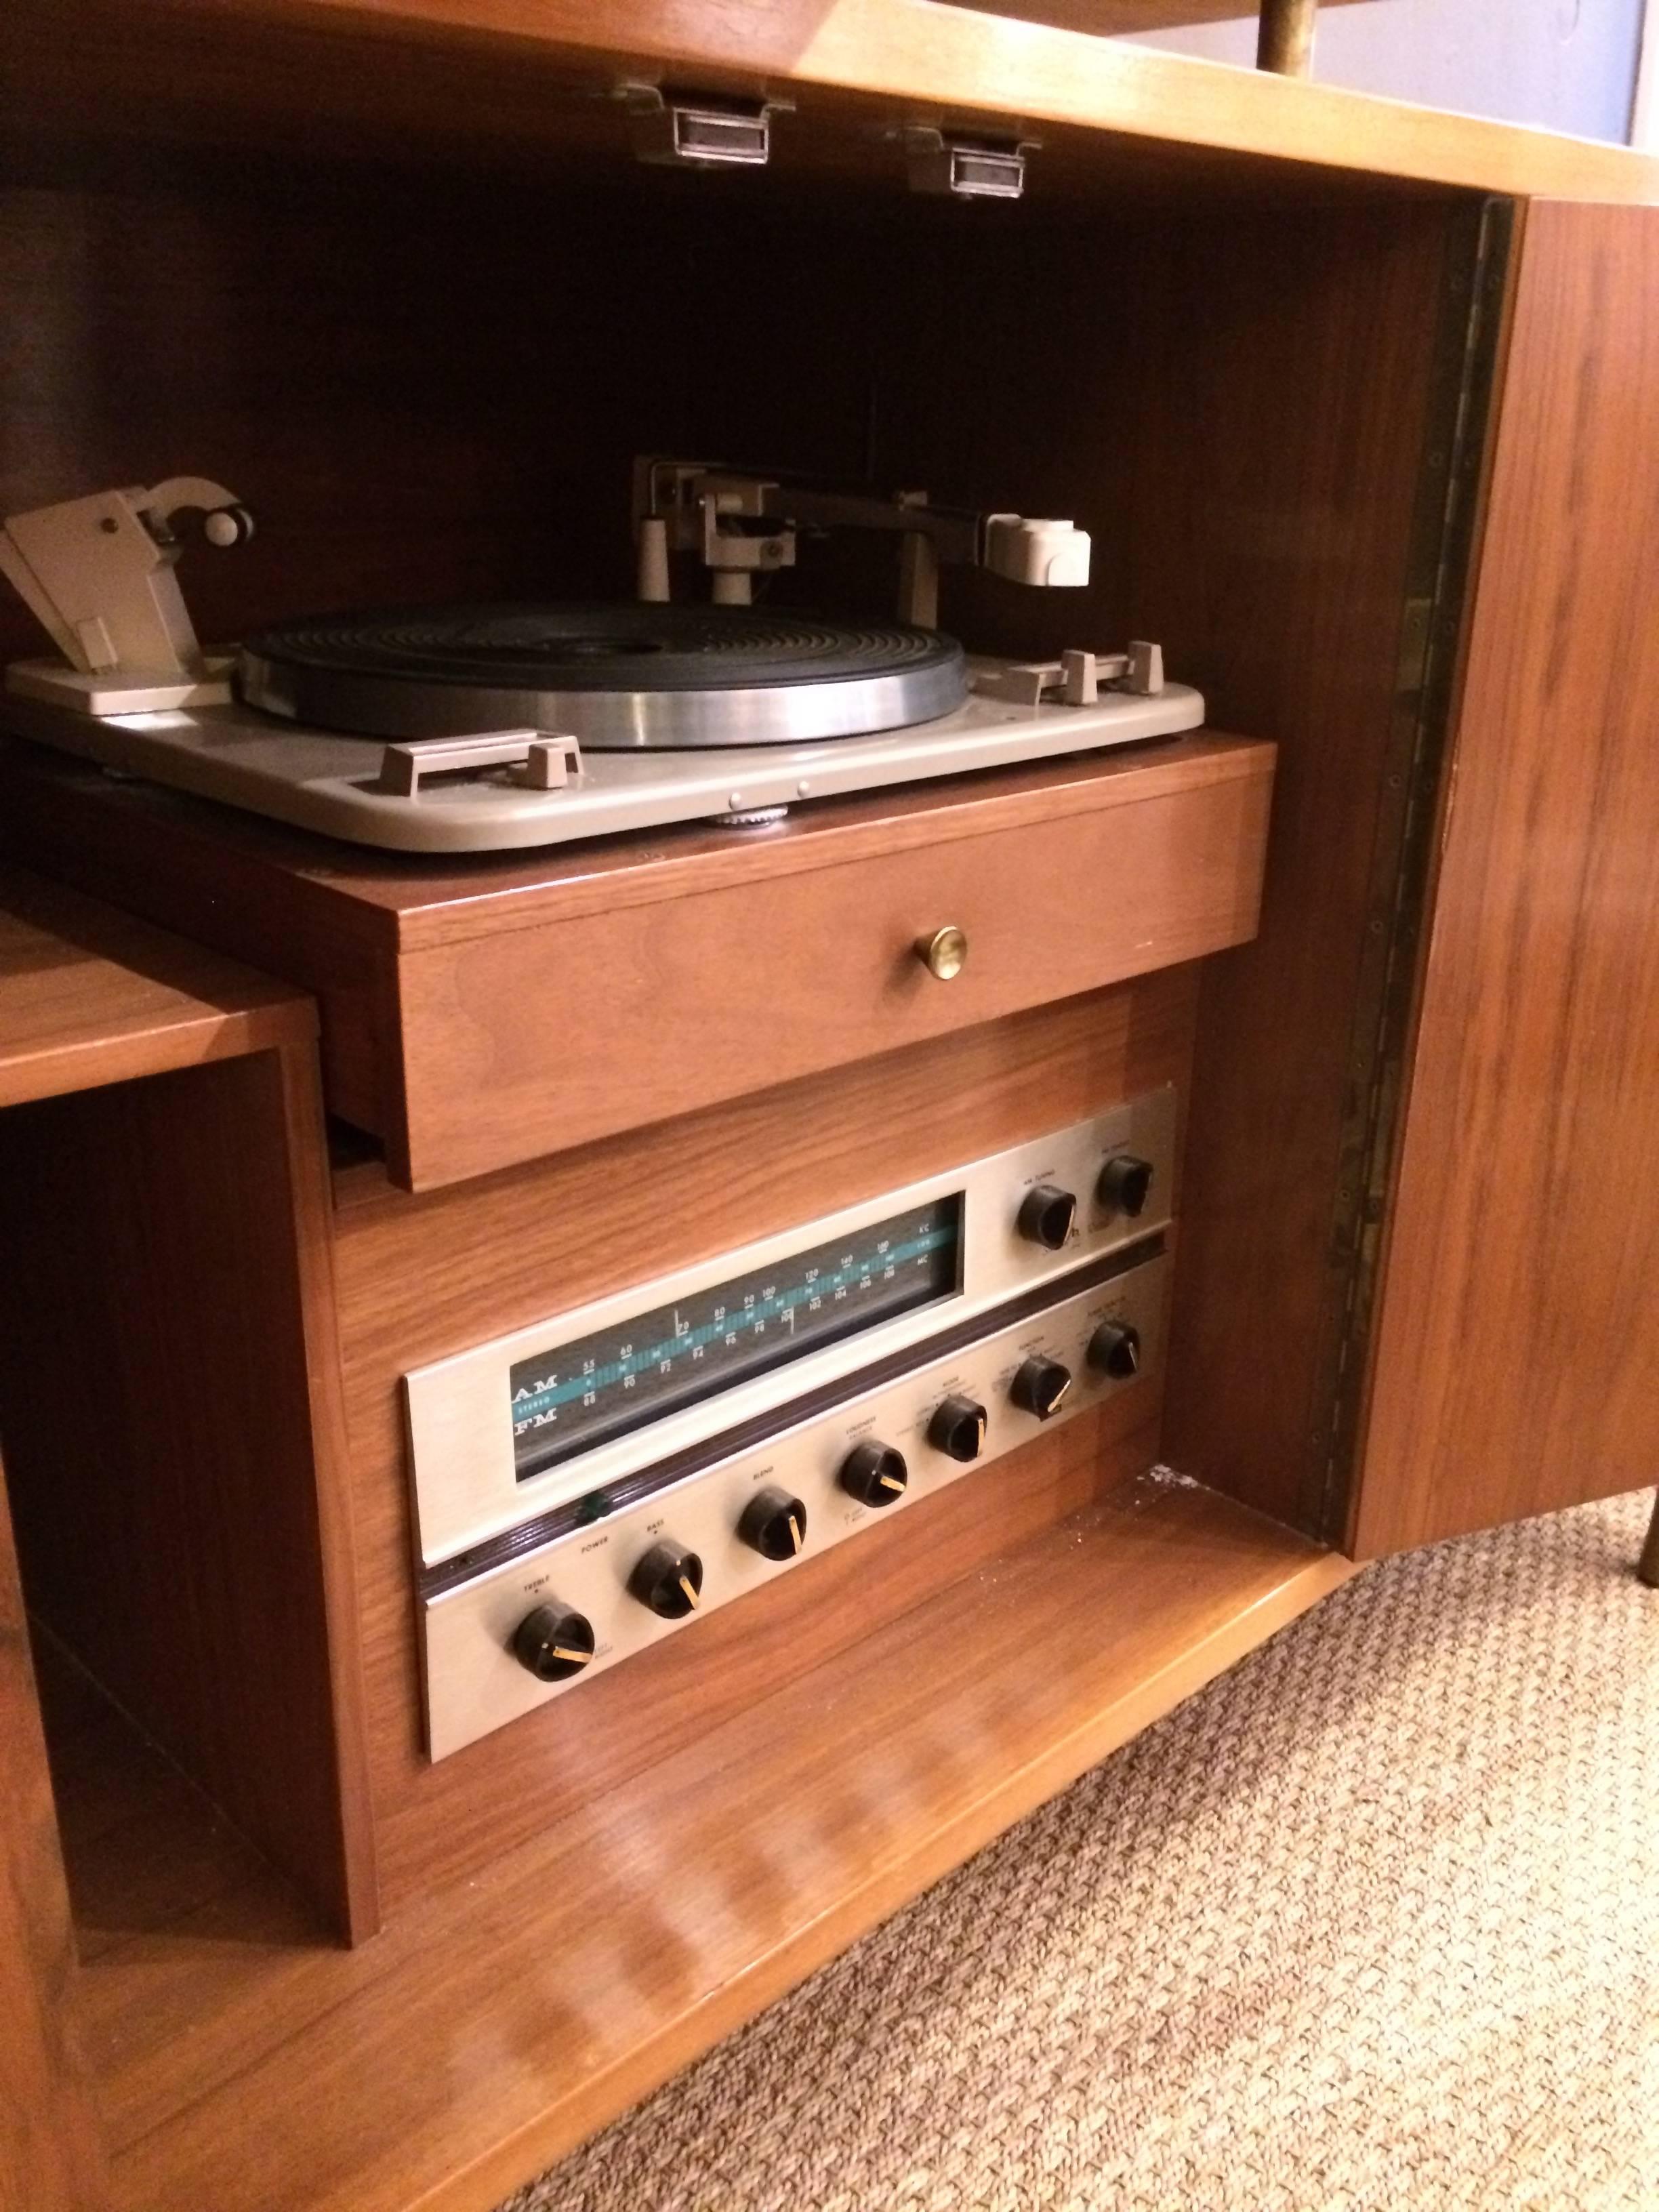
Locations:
{"points": [[240, 2063]]}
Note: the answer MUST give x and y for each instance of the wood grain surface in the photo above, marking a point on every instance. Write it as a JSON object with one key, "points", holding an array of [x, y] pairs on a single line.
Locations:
{"points": [[51, 2156], [89, 996], [491, 2026], [1516, 1368], [422, 1278], [169, 1380], [468, 71]]}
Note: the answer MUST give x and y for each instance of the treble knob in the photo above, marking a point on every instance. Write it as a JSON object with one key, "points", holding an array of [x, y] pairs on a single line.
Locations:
{"points": [[1114, 1350], [875, 1474], [669, 1579], [773, 1524], [553, 1643]]}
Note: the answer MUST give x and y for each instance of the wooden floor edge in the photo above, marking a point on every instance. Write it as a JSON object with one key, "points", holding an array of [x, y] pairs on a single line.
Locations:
{"points": [[531, 2150]]}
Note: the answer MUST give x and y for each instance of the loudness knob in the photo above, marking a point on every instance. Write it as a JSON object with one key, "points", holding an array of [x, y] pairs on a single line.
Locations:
{"points": [[1040, 1386], [1046, 1215], [957, 1428], [773, 1524], [1115, 1349], [669, 1579], [875, 1474], [553, 1643], [1125, 1184]]}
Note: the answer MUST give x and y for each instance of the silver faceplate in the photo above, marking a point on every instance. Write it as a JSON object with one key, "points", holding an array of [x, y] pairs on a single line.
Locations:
{"points": [[320, 781], [459, 1409], [473, 1682]]}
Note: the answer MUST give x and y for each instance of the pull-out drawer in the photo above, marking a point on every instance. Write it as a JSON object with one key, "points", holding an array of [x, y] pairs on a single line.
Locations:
{"points": [[481, 1015]]}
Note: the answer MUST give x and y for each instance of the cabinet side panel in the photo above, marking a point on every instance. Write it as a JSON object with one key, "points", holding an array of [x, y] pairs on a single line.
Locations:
{"points": [[1516, 1368]]}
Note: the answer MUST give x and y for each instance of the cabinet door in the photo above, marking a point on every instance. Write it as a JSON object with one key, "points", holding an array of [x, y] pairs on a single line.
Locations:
{"points": [[1517, 1360]]}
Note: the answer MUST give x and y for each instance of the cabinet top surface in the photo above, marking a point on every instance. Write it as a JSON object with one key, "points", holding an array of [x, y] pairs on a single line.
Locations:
{"points": [[1107, 112]]}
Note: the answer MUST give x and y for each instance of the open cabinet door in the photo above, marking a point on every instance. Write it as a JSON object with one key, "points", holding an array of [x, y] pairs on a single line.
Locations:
{"points": [[1516, 1366]]}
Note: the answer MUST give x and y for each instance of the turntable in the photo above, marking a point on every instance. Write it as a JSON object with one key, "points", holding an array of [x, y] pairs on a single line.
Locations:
{"points": [[483, 728]]}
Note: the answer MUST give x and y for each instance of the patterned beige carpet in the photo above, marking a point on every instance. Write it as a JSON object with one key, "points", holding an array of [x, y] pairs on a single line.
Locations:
{"points": [[1373, 1922]]}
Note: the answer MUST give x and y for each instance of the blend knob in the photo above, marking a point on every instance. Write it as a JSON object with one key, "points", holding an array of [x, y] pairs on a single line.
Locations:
{"points": [[773, 1524], [553, 1643], [957, 1428], [1125, 1184], [1115, 1349], [1040, 1386], [875, 1474], [669, 1579], [1046, 1215]]}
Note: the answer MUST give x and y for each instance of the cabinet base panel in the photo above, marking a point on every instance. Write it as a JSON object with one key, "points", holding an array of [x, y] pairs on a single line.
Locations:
{"points": [[499, 2020]]}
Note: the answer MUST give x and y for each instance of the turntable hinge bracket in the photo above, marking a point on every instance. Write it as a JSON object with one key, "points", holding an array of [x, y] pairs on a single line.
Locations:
{"points": [[967, 168], [699, 131]]}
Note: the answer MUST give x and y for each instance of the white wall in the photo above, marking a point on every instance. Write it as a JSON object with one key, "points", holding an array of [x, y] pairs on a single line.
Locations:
{"points": [[1563, 64]]}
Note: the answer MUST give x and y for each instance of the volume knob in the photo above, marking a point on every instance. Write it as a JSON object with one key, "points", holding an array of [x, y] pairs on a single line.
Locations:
{"points": [[1046, 1215], [553, 1643], [1040, 1385], [1115, 1349], [875, 1474], [668, 1579]]}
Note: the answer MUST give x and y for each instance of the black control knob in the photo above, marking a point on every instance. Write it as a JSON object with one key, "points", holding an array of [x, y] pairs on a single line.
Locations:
{"points": [[1040, 1386], [875, 1474], [1046, 1215], [773, 1524], [957, 1428], [553, 1643], [1115, 1349], [669, 1579], [1125, 1184]]}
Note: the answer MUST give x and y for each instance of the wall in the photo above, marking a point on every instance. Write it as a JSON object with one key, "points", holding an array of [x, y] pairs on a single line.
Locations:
{"points": [[1561, 65]]}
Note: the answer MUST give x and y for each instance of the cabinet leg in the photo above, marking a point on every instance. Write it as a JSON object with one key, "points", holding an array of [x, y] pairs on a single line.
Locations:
{"points": [[1647, 1567], [1285, 36]]}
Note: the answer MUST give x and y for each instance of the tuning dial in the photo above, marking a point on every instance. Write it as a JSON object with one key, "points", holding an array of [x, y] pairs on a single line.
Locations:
{"points": [[1046, 1215], [957, 1428], [669, 1579], [553, 1643], [875, 1474], [1040, 1386], [773, 1524], [1115, 1349], [1125, 1184]]}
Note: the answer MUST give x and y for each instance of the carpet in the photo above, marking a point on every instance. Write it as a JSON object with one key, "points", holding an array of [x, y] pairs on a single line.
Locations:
{"points": [[1372, 1922]]}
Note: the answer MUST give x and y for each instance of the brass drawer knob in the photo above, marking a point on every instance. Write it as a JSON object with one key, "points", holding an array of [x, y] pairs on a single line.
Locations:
{"points": [[945, 954]]}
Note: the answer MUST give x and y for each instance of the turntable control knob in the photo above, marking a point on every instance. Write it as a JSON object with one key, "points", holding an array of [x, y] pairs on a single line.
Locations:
{"points": [[1114, 1350], [669, 1579], [1046, 1215], [553, 1643], [944, 952], [1040, 1386], [875, 1474], [773, 1524], [957, 1428], [1125, 1184]]}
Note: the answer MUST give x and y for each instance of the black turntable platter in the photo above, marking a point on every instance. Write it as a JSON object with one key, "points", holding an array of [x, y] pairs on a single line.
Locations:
{"points": [[615, 677]]}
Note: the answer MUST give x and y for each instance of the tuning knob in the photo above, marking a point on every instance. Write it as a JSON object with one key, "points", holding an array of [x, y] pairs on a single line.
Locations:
{"points": [[875, 1474], [957, 1428], [553, 1643], [1125, 1184], [1040, 1386], [669, 1579], [773, 1524], [1115, 1349], [1046, 1215]]}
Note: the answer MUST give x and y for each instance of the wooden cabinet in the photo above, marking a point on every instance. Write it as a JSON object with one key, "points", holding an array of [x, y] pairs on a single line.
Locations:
{"points": [[1361, 417]]}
